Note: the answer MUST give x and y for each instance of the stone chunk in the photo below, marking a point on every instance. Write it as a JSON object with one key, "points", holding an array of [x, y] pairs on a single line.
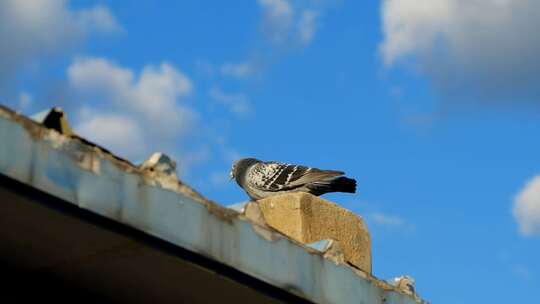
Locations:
{"points": [[307, 218]]}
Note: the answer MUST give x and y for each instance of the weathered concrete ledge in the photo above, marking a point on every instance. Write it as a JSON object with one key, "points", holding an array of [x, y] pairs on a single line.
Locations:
{"points": [[152, 201], [307, 218]]}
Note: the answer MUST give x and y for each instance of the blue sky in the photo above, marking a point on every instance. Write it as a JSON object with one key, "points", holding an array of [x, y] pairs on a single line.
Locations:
{"points": [[431, 106]]}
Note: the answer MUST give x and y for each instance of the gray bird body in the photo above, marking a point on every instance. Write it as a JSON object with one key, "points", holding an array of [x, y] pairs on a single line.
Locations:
{"points": [[263, 179]]}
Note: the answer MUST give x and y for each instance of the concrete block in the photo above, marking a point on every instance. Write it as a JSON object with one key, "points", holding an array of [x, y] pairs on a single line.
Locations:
{"points": [[307, 219]]}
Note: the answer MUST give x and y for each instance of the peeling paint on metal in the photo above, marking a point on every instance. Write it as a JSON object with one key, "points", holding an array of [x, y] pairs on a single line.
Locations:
{"points": [[90, 177], [239, 207], [321, 245]]}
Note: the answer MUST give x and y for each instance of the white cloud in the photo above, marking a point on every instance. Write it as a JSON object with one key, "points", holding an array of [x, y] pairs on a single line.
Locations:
{"points": [[391, 222], [527, 208], [411, 26], [277, 19], [386, 220], [237, 103], [219, 179], [522, 271], [31, 29], [97, 18], [147, 108], [483, 49], [286, 24], [25, 99], [121, 134], [239, 70], [307, 25]]}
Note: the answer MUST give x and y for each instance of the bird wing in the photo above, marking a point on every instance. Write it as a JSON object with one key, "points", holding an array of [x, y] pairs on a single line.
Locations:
{"points": [[274, 176]]}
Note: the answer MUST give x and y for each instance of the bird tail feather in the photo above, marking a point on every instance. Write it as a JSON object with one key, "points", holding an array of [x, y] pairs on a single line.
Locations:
{"points": [[338, 184]]}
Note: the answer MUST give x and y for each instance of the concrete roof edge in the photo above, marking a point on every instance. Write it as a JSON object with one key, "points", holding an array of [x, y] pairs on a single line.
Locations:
{"points": [[93, 178]]}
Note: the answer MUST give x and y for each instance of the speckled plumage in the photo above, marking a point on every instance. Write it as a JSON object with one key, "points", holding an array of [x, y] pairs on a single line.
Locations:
{"points": [[262, 179]]}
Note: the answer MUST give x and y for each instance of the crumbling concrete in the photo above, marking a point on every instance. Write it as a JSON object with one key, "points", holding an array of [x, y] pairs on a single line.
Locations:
{"points": [[307, 219], [88, 176]]}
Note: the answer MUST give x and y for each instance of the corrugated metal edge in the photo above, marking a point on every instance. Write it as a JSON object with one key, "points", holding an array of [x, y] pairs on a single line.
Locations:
{"points": [[91, 177]]}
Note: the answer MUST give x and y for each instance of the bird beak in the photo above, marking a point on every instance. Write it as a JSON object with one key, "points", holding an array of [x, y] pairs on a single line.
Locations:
{"points": [[231, 176]]}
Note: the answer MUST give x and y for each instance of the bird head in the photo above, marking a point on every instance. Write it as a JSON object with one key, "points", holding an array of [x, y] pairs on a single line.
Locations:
{"points": [[240, 166]]}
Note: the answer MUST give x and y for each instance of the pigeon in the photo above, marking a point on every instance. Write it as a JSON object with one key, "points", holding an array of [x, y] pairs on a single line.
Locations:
{"points": [[263, 179]]}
